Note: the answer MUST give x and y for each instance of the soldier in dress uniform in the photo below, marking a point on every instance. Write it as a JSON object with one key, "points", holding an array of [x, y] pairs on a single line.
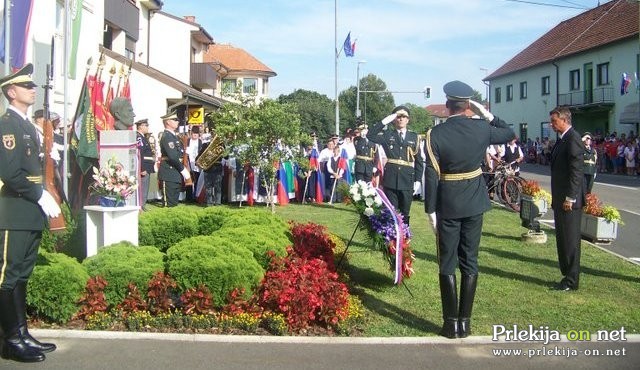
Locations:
{"points": [[24, 208], [147, 159], [456, 198], [403, 170], [171, 172], [365, 150]]}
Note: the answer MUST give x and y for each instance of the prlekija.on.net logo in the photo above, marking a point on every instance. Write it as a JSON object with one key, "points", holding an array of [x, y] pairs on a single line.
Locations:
{"points": [[545, 335]]}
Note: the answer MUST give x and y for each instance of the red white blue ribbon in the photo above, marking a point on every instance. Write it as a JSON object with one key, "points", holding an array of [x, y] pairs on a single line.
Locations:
{"points": [[399, 235]]}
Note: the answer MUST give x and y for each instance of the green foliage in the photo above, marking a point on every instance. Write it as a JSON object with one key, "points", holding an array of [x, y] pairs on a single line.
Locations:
{"points": [[99, 321], [122, 263], [210, 219], [163, 227], [55, 242], [259, 239], [374, 105], [420, 119], [611, 214], [317, 112], [221, 265], [55, 286]]}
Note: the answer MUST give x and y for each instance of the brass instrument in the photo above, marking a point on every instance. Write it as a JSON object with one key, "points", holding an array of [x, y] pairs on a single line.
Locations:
{"points": [[211, 154]]}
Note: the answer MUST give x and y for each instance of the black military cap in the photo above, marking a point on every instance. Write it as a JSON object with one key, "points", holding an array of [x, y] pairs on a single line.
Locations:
{"points": [[143, 121], [21, 78], [401, 109], [457, 91], [53, 116]]}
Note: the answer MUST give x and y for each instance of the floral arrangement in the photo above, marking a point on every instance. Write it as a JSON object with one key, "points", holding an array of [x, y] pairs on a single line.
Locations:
{"points": [[533, 189], [593, 206], [379, 221], [113, 181]]}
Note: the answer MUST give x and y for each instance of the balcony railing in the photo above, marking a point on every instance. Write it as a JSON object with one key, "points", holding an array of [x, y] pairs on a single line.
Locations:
{"points": [[203, 76], [595, 96]]}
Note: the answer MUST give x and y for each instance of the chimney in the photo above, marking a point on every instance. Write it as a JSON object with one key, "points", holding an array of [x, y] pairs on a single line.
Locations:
{"points": [[190, 18]]}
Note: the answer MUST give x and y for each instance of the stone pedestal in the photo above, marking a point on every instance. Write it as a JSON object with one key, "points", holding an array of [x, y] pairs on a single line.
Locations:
{"points": [[109, 225]]}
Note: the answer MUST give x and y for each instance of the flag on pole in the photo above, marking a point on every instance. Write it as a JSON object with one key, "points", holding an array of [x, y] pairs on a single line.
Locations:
{"points": [[19, 24], [85, 140], [76, 29], [624, 84], [283, 193], [318, 178], [125, 92], [108, 123], [343, 163], [348, 47]]}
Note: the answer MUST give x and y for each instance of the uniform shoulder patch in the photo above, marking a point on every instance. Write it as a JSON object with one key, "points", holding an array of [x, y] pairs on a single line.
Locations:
{"points": [[9, 141], [171, 145]]}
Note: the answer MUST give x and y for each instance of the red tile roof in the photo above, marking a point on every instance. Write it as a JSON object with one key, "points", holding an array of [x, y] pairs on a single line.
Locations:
{"points": [[438, 110], [613, 21], [235, 59]]}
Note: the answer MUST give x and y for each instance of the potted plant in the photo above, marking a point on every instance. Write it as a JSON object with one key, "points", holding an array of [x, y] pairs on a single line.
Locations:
{"points": [[599, 222], [533, 193], [112, 184]]}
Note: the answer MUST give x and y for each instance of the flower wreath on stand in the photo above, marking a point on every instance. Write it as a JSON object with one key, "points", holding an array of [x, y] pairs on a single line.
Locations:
{"points": [[112, 181], [385, 227]]}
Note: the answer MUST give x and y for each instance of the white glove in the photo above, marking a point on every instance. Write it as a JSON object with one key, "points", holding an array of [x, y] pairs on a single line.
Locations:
{"points": [[416, 187], [433, 222], [480, 110], [376, 170], [185, 174], [49, 205], [389, 118], [55, 154]]}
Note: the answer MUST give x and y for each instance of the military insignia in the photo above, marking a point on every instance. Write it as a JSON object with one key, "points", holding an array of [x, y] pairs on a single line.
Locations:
{"points": [[172, 145], [390, 146], [9, 142]]}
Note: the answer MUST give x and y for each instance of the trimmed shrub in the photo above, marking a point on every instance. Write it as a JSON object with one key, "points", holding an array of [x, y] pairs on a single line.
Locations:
{"points": [[211, 219], [256, 216], [56, 285], [55, 242], [122, 263], [217, 263], [163, 227], [259, 239]]}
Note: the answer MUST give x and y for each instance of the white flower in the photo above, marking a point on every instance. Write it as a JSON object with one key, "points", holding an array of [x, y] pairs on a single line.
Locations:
{"points": [[368, 201], [378, 200], [356, 197], [368, 211]]}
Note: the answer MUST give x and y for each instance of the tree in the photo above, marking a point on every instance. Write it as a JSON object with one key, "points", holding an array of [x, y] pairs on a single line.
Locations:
{"points": [[316, 111], [375, 102], [420, 120]]}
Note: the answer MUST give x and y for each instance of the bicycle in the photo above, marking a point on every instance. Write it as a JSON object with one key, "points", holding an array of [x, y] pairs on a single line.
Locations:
{"points": [[506, 185]]}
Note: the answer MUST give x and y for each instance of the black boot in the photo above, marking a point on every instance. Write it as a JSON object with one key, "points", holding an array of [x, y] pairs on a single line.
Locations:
{"points": [[13, 347], [467, 295], [20, 299], [449, 297]]}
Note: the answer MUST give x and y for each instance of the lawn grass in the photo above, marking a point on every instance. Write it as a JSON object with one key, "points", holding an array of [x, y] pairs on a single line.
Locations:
{"points": [[513, 286]]}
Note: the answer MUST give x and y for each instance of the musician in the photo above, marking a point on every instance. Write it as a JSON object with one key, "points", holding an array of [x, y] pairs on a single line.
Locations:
{"points": [[171, 171], [193, 148], [24, 208], [147, 159]]}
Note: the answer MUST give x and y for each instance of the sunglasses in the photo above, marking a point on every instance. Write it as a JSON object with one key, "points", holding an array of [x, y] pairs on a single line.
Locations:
{"points": [[402, 116]]}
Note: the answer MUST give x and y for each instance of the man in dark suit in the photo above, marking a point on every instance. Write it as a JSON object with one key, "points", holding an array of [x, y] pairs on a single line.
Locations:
{"points": [[567, 196], [403, 170], [365, 151], [24, 208], [456, 198], [171, 171]]}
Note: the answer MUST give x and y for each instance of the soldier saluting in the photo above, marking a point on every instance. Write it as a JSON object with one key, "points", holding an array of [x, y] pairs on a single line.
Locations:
{"points": [[365, 151], [24, 208], [403, 170]]}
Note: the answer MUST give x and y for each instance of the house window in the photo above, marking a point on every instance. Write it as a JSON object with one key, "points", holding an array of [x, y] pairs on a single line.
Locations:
{"points": [[603, 74], [546, 85], [574, 79], [228, 86], [265, 85], [509, 92], [249, 85], [523, 90], [498, 95]]}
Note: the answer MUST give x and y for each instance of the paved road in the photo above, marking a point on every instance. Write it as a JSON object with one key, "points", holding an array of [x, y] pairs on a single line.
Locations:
{"points": [[623, 192], [129, 351]]}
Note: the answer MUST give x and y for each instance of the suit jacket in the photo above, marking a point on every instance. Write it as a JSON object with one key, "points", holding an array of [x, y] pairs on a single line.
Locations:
{"points": [[567, 162], [20, 169], [172, 151], [459, 145], [396, 176]]}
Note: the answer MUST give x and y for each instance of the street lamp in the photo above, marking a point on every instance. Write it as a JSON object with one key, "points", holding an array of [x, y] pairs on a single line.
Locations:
{"points": [[486, 97], [358, 113]]}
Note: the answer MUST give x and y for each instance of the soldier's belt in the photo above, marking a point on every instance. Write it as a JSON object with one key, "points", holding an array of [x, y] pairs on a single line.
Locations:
{"points": [[149, 158], [589, 162], [35, 179], [364, 157], [400, 162], [460, 176]]}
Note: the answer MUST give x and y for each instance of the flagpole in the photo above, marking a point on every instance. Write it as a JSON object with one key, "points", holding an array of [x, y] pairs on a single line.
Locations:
{"points": [[7, 44], [335, 46], [65, 112]]}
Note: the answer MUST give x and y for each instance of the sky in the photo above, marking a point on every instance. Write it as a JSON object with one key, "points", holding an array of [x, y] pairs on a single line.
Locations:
{"points": [[409, 44]]}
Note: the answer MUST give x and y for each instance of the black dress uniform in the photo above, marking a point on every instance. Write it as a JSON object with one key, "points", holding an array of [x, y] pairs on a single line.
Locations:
{"points": [[169, 172], [147, 162], [590, 160], [363, 167], [457, 193], [404, 164], [21, 223]]}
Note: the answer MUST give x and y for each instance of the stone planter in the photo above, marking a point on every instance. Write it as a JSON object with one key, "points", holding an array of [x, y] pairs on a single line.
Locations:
{"points": [[598, 229], [537, 207]]}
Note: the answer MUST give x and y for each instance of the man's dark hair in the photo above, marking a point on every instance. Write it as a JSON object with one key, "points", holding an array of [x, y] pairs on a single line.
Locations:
{"points": [[456, 106], [562, 113]]}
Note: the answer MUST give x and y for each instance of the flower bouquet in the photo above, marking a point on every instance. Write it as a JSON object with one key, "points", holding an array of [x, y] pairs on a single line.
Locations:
{"points": [[112, 184], [385, 227], [532, 188], [593, 206]]}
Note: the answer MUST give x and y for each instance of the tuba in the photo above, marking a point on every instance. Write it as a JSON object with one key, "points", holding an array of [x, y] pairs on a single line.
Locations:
{"points": [[211, 154]]}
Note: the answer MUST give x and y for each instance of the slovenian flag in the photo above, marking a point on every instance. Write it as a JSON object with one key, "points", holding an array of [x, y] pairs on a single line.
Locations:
{"points": [[624, 84], [283, 193], [349, 48], [19, 33], [343, 163]]}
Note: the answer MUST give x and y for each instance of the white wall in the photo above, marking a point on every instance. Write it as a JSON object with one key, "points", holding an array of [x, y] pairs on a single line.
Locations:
{"points": [[171, 46]]}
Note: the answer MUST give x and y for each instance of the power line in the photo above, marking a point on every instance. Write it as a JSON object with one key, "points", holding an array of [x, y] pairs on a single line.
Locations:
{"points": [[547, 4], [572, 3]]}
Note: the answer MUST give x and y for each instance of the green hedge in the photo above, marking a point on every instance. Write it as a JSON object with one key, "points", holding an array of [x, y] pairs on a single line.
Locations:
{"points": [[163, 227], [122, 263], [56, 285], [211, 219], [258, 239], [220, 265]]}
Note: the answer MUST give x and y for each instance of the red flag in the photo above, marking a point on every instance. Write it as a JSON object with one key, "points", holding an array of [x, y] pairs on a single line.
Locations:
{"points": [[283, 194], [126, 90], [110, 122], [97, 98]]}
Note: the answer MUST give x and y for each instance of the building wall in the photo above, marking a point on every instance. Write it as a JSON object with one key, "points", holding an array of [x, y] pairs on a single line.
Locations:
{"points": [[171, 47]]}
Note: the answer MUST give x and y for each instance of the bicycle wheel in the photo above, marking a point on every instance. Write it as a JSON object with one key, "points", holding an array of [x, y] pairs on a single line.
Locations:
{"points": [[510, 192]]}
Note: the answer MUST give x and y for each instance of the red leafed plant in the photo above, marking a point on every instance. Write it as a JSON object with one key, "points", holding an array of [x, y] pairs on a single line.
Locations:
{"points": [[305, 291], [159, 293], [592, 205], [312, 241], [93, 299], [236, 303], [133, 302], [197, 301]]}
